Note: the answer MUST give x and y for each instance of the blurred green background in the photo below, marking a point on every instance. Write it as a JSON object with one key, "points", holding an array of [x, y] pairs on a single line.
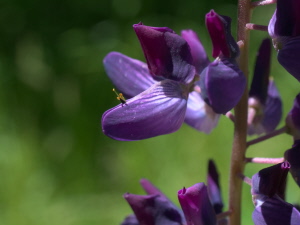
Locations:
{"points": [[56, 166]]}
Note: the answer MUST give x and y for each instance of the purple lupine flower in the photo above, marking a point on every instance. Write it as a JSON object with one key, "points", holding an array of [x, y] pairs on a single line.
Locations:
{"points": [[285, 32], [293, 119], [222, 82], [292, 156], [265, 106], [160, 89], [196, 205], [152, 209], [267, 190], [213, 187]]}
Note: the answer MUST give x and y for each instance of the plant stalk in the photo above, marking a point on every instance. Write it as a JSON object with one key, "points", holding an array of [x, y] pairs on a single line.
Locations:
{"points": [[240, 126]]}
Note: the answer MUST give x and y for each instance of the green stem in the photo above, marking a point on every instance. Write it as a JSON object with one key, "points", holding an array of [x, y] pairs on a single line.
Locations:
{"points": [[240, 126]]}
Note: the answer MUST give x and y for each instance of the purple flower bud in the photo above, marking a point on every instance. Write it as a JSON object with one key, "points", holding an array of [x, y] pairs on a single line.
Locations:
{"points": [[200, 60], [213, 186], [260, 81], [167, 54], [293, 119], [153, 209], [275, 211], [196, 205], [218, 27], [222, 85], [158, 110], [270, 181], [292, 156]]}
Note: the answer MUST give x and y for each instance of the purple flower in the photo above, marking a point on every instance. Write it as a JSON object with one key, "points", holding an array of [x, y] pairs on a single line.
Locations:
{"points": [[154, 208], [222, 82], [293, 119], [159, 94], [196, 205], [213, 187], [285, 32], [268, 193], [265, 106], [292, 156]]}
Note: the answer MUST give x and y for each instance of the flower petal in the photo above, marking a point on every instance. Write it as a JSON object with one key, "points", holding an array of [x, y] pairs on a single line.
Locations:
{"points": [[292, 156], [158, 110], [222, 85], [200, 60], [130, 220], [196, 206], [167, 54], [273, 109], [289, 56], [153, 209], [129, 76], [271, 180], [219, 28], [199, 115], [274, 211], [213, 186]]}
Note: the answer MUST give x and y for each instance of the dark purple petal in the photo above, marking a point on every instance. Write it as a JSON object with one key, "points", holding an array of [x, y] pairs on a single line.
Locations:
{"points": [[129, 76], [158, 110], [274, 211], [287, 18], [213, 186], [268, 117], [196, 206], [271, 180], [152, 190], [271, 26], [168, 55], [222, 85], [260, 80], [273, 109], [289, 57], [293, 119], [153, 209], [292, 156], [200, 60], [219, 28], [130, 220], [199, 115]]}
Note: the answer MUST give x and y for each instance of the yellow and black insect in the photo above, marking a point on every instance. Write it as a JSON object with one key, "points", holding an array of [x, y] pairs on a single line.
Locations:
{"points": [[120, 97]]}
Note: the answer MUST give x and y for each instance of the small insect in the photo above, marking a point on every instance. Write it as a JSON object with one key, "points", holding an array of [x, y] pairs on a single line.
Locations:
{"points": [[120, 97]]}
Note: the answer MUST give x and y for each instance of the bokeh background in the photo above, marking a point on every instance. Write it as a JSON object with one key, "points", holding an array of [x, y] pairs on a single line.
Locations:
{"points": [[56, 166]]}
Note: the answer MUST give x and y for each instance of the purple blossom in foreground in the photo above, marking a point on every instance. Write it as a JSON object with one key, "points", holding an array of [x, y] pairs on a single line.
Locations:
{"points": [[267, 190], [292, 156], [222, 82], [156, 209], [293, 119], [265, 106], [284, 28], [196, 205], [160, 90]]}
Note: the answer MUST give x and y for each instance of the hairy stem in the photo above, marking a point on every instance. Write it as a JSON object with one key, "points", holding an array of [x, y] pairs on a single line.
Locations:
{"points": [[252, 26], [240, 126], [265, 160]]}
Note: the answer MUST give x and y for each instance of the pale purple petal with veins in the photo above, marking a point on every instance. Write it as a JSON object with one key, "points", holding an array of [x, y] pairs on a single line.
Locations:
{"points": [[199, 115], [129, 76], [158, 110]]}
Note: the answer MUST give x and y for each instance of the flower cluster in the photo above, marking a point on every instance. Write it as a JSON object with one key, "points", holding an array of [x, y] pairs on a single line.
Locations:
{"points": [[178, 83]]}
